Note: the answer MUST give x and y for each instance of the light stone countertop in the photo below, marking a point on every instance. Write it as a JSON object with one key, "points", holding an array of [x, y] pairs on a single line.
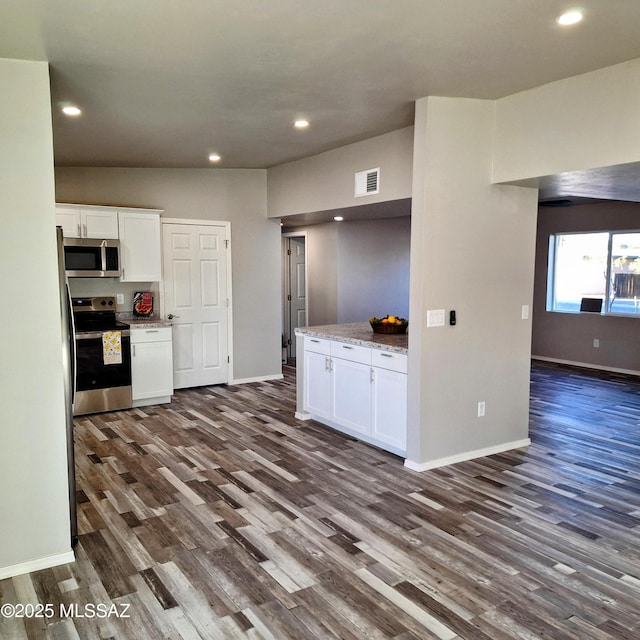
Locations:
{"points": [[137, 322], [358, 333]]}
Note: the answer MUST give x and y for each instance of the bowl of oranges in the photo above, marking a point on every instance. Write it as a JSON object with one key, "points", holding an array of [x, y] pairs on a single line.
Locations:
{"points": [[388, 324]]}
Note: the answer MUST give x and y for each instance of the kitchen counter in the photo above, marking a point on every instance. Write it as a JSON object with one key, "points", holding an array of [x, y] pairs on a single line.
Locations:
{"points": [[136, 321], [358, 333]]}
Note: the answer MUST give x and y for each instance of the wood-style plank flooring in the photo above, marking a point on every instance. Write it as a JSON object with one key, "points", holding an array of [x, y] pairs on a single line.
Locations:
{"points": [[222, 516]]}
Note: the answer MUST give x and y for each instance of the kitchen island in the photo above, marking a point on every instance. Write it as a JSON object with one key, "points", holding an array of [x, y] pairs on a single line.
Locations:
{"points": [[355, 381]]}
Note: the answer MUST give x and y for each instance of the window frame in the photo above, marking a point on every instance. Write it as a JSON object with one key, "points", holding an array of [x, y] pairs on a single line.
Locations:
{"points": [[551, 273]]}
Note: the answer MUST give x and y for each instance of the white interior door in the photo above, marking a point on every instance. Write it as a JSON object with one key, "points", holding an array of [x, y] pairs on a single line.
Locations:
{"points": [[295, 291], [196, 264]]}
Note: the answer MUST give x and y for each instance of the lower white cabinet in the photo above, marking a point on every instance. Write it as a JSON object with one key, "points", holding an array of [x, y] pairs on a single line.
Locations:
{"points": [[151, 365], [356, 389], [317, 376]]}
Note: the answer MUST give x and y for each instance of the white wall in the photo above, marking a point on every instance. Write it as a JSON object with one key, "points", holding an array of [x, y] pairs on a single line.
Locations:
{"points": [[326, 181], [472, 250], [583, 122], [34, 507], [236, 195]]}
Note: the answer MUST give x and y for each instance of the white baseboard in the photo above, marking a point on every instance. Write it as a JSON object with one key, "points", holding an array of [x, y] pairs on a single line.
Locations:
{"points": [[467, 455], [302, 415], [36, 565], [276, 376], [587, 365]]}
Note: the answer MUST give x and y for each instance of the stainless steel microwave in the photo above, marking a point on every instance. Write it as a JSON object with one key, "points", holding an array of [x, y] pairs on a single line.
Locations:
{"points": [[92, 258]]}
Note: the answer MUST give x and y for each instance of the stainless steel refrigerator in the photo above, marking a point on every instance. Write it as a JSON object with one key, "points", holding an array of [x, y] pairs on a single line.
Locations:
{"points": [[69, 367]]}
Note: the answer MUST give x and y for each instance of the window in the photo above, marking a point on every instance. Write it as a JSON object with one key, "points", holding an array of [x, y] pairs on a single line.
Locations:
{"points": [[603, 265]]}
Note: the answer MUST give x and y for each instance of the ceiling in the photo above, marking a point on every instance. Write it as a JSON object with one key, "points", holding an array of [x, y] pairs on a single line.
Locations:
{"points": [[163, 83]]}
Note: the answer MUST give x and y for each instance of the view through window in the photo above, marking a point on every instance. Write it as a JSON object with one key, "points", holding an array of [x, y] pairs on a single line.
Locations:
{"points": [[602, 265]]}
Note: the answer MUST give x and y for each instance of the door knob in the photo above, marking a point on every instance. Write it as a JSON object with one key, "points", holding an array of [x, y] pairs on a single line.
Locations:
{"points": [[171, 316]]}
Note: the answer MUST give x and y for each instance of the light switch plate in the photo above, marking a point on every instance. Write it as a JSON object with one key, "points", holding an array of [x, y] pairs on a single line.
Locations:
{"points": [[525, 311], [120, 298], [435, 317]]}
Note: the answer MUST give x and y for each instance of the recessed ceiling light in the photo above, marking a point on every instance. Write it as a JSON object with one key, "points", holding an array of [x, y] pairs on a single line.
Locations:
{"points": [[71, 110], [301, 124], [338, 218], [570, 17], [214, 157]]}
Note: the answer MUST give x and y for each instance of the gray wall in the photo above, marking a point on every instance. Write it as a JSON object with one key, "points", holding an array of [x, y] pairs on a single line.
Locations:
{"points": [[236, 195], [326, 181], [569, 337], [472, 251], [373, 268], [357, 269], [34, 503]]}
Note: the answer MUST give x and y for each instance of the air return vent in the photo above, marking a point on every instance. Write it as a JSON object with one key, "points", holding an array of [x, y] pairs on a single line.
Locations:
{"points": [[367, 182]]}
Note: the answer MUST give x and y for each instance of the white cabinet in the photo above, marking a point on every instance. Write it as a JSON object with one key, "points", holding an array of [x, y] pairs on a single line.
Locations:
{"points": [[356, 389], [389, 399], [351, 386], [317, 374], [140, 248], [151, 365], [87, 222]]}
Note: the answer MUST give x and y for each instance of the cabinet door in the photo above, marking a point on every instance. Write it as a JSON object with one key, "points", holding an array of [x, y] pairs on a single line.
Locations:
{"points": [[317, 384], [151, 370], [69, 219], [351, 387], [99, 223], [140, 251], [389, 407]]}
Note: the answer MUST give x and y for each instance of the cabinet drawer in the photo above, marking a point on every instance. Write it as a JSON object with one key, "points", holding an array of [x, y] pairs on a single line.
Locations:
{"points": [[151, 334], [353, 352], [389, 360], [319, 345]]}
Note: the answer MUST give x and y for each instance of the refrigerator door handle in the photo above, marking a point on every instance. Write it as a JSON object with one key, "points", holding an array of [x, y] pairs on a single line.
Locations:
{"points": [[72, 341]]}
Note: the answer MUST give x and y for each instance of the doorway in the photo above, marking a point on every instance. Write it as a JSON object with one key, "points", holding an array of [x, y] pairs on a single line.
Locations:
{"points": [[295, 299]]}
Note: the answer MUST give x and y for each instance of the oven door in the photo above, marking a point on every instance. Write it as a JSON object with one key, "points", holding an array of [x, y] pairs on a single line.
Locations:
{"points": [[100, 386]]}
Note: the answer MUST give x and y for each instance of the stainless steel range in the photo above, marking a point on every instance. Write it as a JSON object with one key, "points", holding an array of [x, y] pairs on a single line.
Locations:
{"points": [[103, 357]]}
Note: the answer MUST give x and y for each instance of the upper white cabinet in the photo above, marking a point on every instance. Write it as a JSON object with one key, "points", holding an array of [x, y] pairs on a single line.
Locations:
{"points": [[140, 248], [87, 222], [137, 229]]}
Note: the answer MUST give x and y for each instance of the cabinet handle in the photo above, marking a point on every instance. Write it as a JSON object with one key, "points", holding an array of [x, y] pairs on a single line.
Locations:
{"points": [[151, 330], [372, 378], [386, 355], [133, 346], [346, 346], [313, 340], [85, 230], [79, 231], [326, 364]]}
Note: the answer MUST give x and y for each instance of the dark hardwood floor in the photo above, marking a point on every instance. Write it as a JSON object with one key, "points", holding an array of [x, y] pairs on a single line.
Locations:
{"points": [[222, 516]]}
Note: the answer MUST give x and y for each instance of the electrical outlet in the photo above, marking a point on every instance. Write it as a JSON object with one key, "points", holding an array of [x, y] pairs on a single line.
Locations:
{"points": [[525, 312], [481, 409], [596, 343]]}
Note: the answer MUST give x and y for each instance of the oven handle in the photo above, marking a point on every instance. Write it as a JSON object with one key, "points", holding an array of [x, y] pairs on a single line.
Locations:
{"points": [[92, 335]]}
